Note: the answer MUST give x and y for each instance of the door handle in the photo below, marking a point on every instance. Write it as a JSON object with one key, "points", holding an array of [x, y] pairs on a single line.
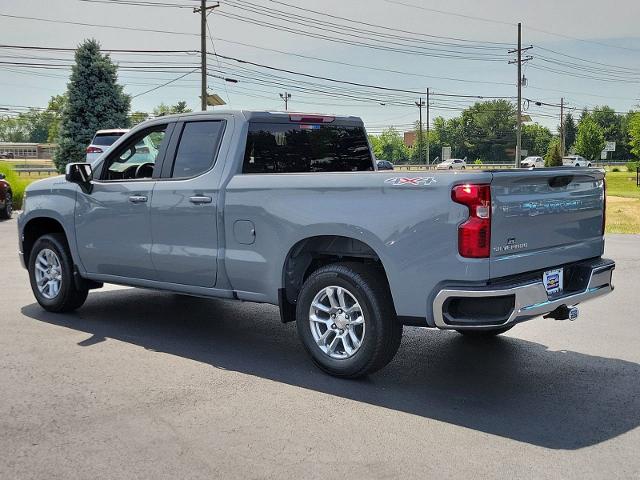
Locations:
{"points": [[198, 199], [137, 198]]}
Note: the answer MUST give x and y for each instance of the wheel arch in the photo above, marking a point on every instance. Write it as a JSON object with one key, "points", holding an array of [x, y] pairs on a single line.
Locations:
{"points": [[311, 253], [37, 227]]}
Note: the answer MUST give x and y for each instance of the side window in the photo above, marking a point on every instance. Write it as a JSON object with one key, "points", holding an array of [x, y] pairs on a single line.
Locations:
{"points": [[136, 159], [197, 149]]}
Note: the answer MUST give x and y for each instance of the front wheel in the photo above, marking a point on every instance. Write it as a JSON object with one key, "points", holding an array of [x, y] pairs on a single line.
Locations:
{"points": [[7, 210], [346, 319], [51, 275]]}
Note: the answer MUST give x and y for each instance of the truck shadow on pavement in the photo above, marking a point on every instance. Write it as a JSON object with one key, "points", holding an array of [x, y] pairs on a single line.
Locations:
{"points": [[510, 387]]}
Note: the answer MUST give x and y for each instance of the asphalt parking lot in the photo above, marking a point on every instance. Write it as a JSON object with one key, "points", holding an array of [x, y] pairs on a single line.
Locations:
{"points": [[141, 384]]}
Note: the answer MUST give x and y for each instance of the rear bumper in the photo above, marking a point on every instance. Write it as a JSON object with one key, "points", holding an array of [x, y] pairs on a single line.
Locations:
{"points": [[516, 301]]}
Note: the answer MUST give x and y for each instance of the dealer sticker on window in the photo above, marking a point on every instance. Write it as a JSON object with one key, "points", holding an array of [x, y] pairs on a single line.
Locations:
{"points": [[552, 280]]}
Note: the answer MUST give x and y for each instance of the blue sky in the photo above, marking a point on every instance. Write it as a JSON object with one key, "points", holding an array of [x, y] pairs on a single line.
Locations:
{"points": [[603, 40]]}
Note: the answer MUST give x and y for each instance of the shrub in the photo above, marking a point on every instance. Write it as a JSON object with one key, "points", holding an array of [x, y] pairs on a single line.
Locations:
{"points": [[477, 162], [632, 166], [17, 184], [615, 169]]}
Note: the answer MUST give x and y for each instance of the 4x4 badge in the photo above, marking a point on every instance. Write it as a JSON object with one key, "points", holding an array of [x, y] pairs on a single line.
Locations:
{"points": [[411, 181]]}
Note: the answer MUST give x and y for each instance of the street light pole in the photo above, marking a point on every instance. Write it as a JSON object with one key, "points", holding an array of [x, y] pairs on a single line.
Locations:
{"points": [[285, 96]]}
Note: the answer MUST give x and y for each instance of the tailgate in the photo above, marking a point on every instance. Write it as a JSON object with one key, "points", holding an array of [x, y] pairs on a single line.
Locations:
{"points": [[544, 218]]}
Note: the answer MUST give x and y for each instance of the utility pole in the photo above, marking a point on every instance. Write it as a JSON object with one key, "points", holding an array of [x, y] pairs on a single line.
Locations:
{"points": [[285, 96], [519, 61], [203, 50], [428, 152], [562, 134], [420, 104]]}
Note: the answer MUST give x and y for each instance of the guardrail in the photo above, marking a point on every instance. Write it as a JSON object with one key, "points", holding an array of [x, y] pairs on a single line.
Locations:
{"points": [[38, 170], [420, 168], [488, 166]]}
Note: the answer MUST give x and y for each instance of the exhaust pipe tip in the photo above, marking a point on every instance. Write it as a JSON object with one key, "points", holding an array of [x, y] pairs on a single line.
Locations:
{"points": [[563, 312]]}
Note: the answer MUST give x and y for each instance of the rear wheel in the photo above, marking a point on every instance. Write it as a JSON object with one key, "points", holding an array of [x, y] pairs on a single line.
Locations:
{"points": [[488, 333], [51, 275], [7, 210], [346, 320]]}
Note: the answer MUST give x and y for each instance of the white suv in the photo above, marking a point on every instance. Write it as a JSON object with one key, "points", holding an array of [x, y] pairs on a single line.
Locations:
{"points": [[102, 140], [532, 162], [575, 161]]}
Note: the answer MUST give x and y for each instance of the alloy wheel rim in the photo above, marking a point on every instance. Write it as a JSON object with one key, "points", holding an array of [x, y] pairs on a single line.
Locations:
{"points": [[337, 322], [48, 271]]}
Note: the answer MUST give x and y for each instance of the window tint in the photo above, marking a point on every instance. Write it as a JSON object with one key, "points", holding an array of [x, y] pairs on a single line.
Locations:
{"points": [[106, 140], [197, 149], [137, 157], [293, 147]]}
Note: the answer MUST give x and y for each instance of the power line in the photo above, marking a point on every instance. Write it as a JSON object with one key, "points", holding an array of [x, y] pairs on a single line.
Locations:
{"points": [[164, 84]]}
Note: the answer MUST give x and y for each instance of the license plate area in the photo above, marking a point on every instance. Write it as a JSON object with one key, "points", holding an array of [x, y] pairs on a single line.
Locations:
{"points": [[553, 281]]}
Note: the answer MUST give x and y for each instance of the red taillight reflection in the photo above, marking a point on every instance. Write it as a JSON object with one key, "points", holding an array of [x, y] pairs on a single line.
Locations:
{"points": [[92, 149], [474, 235]]}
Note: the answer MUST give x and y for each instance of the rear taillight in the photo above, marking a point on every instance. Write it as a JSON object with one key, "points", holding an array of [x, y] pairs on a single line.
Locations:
{"points": [[474, 235], [92, 149], [604, 204]]}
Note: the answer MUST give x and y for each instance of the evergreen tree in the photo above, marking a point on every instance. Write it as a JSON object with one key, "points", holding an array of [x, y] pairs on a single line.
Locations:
{"points": [[94, 101], [553, 158], [570, 131]]}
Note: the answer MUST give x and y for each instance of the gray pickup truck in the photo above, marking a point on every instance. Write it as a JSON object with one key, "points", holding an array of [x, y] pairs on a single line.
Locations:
{"points": [[289, 209]]}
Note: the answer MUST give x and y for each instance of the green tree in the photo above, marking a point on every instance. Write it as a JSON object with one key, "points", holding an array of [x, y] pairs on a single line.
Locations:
{"points": [[138, 117], [389, 145], [95, 101], [536, 139], [55, 107], [13, 130], [164, 109], [634, 133], [590, 139], [488, 129], [553, 158], [570, 131]]}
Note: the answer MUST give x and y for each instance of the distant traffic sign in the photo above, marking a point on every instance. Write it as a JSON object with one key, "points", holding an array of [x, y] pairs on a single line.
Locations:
{"points": [[610, 147]]}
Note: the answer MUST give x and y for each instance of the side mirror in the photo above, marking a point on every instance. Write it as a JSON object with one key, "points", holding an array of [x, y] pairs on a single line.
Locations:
{"points": [[80, 173]]}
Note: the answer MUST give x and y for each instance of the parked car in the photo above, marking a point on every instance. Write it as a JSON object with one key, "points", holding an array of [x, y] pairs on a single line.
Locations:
{"points": [[532, 162], [452, 164], [102, 141], [279, 208], [384, 165], [7, 155], [575, 161], [6, 198]]}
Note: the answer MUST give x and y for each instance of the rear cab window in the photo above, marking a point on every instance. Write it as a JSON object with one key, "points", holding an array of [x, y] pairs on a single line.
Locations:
{"points": [[306, 147]]}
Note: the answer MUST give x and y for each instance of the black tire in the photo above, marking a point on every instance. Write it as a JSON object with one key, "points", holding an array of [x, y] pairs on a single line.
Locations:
{"points": [[70, 296], [450, 168], [463, 168], [489, 333], [7, 210], [383, 332]]}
